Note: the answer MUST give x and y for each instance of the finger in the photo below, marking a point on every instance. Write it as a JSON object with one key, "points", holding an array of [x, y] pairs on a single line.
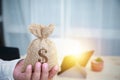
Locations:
{"points": [[28, 72], [37, 71], [44, 75], [53, 72]]}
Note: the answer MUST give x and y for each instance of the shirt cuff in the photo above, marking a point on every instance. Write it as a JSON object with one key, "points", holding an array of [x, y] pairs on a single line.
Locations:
{"points": [[8, 68]]}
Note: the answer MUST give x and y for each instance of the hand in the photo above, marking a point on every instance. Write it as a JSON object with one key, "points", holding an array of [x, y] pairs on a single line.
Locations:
{"points": [[40, 72]]}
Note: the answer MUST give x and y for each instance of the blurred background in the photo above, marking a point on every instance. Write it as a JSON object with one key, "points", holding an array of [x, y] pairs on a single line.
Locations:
{"points": [[80, 24]]}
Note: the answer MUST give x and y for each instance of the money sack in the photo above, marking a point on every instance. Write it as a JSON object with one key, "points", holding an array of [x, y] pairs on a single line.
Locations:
{"points": [[41, 49]]}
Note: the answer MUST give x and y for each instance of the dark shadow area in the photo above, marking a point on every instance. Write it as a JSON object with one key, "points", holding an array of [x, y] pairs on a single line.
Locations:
{"points": [[9, 53], [1, 26]]}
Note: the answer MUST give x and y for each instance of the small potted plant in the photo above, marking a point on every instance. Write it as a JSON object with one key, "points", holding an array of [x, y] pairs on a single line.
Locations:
{"points": [[97, 64]]}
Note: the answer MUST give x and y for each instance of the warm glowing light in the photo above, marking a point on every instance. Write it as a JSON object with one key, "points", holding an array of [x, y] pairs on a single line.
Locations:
{"points": [[70, 47], [67, 46]]}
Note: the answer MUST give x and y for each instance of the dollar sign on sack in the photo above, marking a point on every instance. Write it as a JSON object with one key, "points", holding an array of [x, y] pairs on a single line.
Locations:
{"points": [[42, 53]]}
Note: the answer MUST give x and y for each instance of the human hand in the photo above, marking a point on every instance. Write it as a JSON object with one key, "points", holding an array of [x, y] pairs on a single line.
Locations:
{"points": [[40, 72]]}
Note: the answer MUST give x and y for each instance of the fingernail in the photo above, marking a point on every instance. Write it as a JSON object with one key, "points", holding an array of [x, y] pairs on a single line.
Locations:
{"points": [[29, 66], [45, 65], [38, 64], [56, 68]]}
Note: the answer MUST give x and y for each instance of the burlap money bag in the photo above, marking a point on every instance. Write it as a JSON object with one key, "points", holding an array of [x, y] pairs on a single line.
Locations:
{"points": [[41, 49]]}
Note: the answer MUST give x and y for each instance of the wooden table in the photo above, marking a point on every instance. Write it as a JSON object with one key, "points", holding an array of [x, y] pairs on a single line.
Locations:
{"points": [[111, 70]]}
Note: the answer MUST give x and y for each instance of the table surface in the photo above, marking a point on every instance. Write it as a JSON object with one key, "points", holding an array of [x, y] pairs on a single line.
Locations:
{"points": [[111, 70]]}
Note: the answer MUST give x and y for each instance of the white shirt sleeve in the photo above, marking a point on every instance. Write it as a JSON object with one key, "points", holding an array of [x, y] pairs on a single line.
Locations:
{"points": [[7, 68]]}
